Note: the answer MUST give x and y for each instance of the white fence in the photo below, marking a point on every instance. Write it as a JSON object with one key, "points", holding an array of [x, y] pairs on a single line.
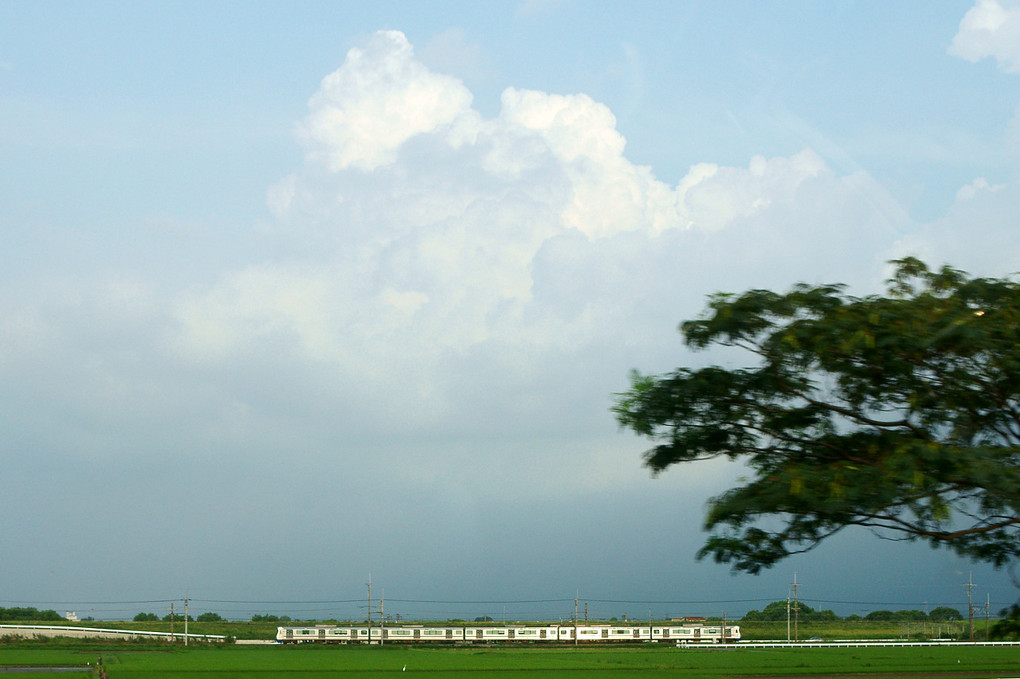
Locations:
{"points": [[846, 643], [98, 632]]}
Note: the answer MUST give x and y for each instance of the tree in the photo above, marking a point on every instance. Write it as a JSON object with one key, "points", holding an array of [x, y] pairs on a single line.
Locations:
{"points": [[944, 613], [781, 610], [900, 413], [210, 617], [909, 615], [146, 617], [28, 614], [1009, 626], [880, 616]]}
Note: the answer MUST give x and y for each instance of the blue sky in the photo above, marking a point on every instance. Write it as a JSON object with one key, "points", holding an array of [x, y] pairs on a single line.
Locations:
{"points": [[292, 293]]}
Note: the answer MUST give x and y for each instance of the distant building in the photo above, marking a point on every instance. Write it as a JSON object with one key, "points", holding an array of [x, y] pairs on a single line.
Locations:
{"points": [[72, 616]]}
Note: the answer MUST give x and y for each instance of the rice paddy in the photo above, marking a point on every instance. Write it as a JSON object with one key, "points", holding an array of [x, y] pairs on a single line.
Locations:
{"points": [[640, 662]]}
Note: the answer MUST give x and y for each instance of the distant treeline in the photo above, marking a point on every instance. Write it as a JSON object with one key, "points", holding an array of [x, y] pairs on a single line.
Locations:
{"points": [[206, 617], [777, 610], [774, 612], [152, 617], [33, 614]]}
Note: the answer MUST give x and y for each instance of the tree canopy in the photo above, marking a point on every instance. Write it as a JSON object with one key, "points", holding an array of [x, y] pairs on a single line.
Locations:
{"points": [[28, 614], [781, 610], [210, 617], [900, 413], [944, 613]]}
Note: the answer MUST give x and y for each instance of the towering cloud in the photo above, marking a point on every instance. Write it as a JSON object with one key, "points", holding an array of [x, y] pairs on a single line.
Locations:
{"points": [[433, 241], [377, 100]]}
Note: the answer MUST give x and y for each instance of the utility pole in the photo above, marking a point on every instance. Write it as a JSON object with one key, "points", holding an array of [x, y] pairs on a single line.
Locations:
{"points": [[787, 616], [172, 638], [382, 620], [185, 621], [970, 603], [988, 604], [796, 609], [576, 595], [369, 609], [585, 612]]}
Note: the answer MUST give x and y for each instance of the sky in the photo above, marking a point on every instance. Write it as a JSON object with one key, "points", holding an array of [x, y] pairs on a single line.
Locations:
{"points": [[298, 296]]}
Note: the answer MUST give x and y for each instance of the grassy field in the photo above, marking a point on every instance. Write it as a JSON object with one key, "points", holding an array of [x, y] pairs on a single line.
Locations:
{"points": [[843, 629], [136, 661]]}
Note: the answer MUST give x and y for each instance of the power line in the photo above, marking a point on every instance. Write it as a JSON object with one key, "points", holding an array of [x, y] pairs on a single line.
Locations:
{"points": [[484, 602], [866, 603], [295, 601], [681, 601], [89, 603]]}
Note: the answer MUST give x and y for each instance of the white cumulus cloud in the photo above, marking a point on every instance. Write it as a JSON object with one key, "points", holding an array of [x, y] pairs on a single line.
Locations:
{"points": [[350, 129], [502, 266], [990, 28]]}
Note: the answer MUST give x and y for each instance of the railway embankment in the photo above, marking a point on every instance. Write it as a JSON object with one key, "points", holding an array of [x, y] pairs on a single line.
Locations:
{"points": [[51, 631]]}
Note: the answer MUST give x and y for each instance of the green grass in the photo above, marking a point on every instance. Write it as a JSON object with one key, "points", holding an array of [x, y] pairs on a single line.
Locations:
{"points": [[38, 656], [862, 629], [640, 662]]}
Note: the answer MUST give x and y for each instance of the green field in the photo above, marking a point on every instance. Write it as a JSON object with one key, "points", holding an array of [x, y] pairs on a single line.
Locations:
{"points": [[133, 661]]}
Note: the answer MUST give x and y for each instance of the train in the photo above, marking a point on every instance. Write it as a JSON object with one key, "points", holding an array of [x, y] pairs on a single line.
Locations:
{"points": [[586, 633]]}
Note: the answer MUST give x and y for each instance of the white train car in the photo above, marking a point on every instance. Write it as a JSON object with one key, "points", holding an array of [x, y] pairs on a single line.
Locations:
{"points": [[686, 634]]}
